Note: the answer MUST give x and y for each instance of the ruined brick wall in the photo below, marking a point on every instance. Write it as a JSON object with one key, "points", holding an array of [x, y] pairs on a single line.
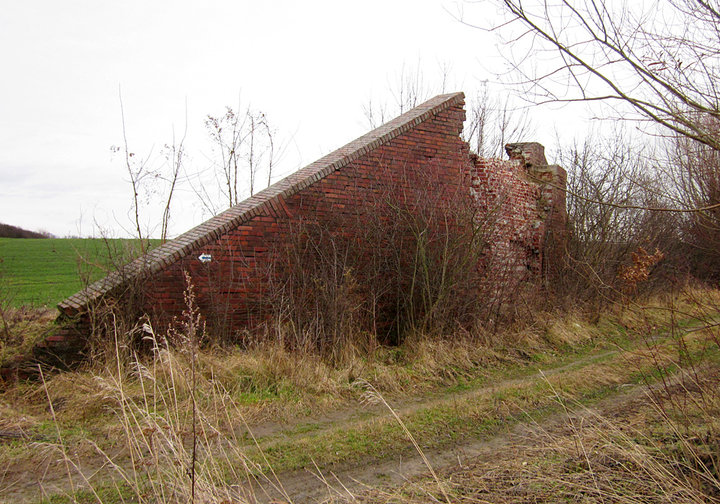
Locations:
{"points": [[519, 203], [522, 202], [429, 157]]}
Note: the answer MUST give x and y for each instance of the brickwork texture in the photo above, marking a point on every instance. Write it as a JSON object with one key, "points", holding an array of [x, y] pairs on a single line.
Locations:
{"points": [[229, 257]]}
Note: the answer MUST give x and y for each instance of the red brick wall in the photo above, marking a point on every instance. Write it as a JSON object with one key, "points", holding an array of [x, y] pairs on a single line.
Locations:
{"points": [[233, 283], [514, 199], [418, 159], [508, 207]]}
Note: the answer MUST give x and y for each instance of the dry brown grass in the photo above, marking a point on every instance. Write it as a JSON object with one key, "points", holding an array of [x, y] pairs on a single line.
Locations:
{"points": [[269, 380], [21, 328], [138, 409], [624, 451]]}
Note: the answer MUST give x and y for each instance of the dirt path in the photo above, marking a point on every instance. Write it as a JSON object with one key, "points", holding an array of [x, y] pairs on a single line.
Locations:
{"points": [[403, 406], [342, 483], [49, 476]]}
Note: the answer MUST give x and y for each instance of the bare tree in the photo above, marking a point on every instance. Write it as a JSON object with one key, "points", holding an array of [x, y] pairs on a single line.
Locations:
{"points": [[611, 191], [174, 157], [656, 63], [409, 89], [694, 169], [141, 172], [137, 171], [659, 63], [245, 146], [270, 134], [227, 134], [492, 122], [662, 58]]}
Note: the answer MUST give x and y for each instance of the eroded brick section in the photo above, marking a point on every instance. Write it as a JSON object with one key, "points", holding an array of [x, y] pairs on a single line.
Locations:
{"points": [[522, 204]]}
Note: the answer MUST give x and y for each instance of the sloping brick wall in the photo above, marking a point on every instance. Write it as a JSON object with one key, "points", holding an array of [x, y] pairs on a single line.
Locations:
{"points": [[522, 197], [234, 281]]}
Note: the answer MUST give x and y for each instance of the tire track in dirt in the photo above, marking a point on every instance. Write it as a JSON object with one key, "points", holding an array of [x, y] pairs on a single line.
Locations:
{"points": [[269, 431], [340, 484]]}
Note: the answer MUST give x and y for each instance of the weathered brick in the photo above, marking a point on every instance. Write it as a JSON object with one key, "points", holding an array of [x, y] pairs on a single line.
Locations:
{"points": [[422, 143]]}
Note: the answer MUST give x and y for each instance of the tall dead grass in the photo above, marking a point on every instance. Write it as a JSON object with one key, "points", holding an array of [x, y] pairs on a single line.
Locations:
{"points": [[146, 403], [179, 432]]}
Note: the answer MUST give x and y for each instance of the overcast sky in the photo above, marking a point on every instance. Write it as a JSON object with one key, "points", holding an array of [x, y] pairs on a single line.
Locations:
{"points": [[310, 66]]}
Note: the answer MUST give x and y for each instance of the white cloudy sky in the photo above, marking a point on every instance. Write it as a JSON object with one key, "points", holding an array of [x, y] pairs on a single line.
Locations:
{"points": [[310, 66]]}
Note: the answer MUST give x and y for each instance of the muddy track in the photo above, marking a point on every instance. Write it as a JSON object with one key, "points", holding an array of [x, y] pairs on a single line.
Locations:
{"points": [[268, 431], [345, 483]]}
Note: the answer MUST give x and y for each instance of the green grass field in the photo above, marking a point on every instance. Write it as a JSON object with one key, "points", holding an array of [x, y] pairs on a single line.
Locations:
{"points": [[43, 272]]}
